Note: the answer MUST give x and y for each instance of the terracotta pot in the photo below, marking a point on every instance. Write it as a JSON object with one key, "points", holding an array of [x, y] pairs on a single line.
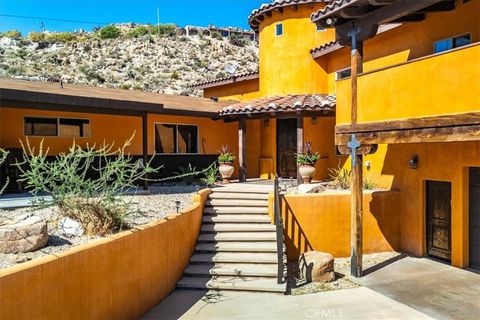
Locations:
{"points": [[226, 170], [307, 172]]}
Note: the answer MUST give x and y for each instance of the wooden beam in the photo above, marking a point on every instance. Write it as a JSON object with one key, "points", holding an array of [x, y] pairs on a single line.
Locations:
{"points": [[145, 146], [299, 143], [363, 149], [278, 115], [438, 134], [414, 17], [357, 68], [242, 149]]}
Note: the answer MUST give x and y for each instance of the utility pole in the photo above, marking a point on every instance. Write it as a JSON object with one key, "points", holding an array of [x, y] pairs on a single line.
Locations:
{"points": [[158, 20]]}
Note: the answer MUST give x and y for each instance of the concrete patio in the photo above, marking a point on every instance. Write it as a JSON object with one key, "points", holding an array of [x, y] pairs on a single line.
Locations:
{"points": [[408, 288]]}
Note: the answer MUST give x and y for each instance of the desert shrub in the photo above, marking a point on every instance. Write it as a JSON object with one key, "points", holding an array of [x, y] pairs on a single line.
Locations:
{"points": [[167, 29], [175, 75], [109, 32], [15, 34], [188, 174], [216, 35], [308, 156], [3, 157], [36, 36], [211, 175], [369, 183], [341, 177], [60, 37], [138, 32], [85, 183], [237, 40]]}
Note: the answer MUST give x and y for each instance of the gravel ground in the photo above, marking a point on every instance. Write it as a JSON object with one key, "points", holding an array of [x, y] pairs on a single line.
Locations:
{"points": [[159, 204], [343, 279]]}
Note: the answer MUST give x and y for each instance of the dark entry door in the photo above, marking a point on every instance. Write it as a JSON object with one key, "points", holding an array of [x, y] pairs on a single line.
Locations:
{"points": [[474, 218], [439, 219], [287, 148]]}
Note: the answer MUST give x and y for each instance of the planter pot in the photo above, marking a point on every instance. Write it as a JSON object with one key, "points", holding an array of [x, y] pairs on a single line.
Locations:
{"points": [[306, 172], [226, 171]]}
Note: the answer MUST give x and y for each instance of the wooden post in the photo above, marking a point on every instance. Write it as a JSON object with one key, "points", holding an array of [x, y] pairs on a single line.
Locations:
{"points": [[145, 145], [356, 225], [299, 143], [242, 149]]}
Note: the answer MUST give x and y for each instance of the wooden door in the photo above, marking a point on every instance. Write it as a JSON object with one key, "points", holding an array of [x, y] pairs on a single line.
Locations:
{"points": [[287, 148], [474, 218], [439, 219]]}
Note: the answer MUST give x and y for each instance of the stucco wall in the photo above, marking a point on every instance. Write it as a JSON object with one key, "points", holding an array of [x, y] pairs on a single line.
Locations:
{"points": [[321, 222], [118, 277], [239, 91]]}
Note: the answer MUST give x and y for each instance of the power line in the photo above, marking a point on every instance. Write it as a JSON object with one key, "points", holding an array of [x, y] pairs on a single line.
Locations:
{"points": [[52, 19]]}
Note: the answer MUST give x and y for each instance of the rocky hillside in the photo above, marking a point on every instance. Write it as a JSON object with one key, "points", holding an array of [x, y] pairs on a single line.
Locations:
{"points": [[165, 63]]}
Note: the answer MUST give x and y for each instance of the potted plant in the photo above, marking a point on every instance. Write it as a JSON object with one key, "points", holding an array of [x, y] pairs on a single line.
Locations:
{"points": [[306, 161], [225, 159]]}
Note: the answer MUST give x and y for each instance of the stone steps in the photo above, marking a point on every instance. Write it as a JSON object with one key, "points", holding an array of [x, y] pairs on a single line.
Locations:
{"points": [[236, 203], [229, 269], [234, 218], [237, 236], [233, 209], [239, 196], [237, 247], [243, 189], [232, 283], [237, 227], [235, 257]]}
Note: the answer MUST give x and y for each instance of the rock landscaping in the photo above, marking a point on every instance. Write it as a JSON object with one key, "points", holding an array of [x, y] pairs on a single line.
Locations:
{"points": [[315, 266], [23, 232]]}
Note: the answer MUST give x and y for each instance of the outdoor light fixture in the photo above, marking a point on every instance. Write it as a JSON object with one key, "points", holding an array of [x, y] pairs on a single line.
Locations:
{"points": [[177, 203], [266, 123], [314, 120], [368, 165], [413, 163]]}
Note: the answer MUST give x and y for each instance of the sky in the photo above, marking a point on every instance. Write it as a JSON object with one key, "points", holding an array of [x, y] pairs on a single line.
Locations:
{"points": [[28, 15]]}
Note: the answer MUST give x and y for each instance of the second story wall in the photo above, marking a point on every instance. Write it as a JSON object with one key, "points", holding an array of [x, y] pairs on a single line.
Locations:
{"points": [[286, 66]]}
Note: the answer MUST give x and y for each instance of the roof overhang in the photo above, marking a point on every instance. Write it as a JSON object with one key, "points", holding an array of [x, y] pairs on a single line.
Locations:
{"points": [[227, 80], [365, 16]]}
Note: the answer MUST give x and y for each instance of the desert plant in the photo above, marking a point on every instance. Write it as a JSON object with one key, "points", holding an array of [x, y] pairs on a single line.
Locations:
{"points": [[14, 34], [3, 157], [60, 37], [237, 40], [36, 36], [308, 157], [341, 177], [211, 175], [110, 32], [138, 32], [369, 183], [85, 183], [226, 155], [187, 174]]}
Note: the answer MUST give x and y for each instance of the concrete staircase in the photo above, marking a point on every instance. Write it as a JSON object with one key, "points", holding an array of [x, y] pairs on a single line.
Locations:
{"points": [[237, 247]]}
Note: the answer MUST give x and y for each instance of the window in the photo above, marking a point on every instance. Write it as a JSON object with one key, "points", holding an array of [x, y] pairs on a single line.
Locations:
{"points": [[61, 127], [451, 43], [176, 138], [279, 29], [342, 74], [320, 28]]}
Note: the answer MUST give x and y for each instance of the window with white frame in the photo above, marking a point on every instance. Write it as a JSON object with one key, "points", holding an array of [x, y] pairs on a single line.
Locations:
{"points": [[320, 28], [56, 127], [278, 29], [171, 138], [342, 74], [451, 43]]}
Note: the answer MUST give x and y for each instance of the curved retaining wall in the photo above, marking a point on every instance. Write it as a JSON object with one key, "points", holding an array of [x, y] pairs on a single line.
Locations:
{"points": [[118, 277]]}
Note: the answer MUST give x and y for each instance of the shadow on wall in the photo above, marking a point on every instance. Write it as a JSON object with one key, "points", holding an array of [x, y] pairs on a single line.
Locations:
{"points": [[296, 240]]}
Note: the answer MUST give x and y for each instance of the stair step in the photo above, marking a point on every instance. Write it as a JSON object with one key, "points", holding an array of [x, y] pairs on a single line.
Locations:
{"points": [[237, 247], [244, 189], [236, 203], [240, 196], [237, 227], [235, 209], [237, 236], [232, 283], [228, 269], [234, 257], [242, 218]]}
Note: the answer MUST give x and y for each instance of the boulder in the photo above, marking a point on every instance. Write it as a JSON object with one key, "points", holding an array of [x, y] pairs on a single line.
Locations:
{"points": [[315, 266], [70, 227], [23, 234]]}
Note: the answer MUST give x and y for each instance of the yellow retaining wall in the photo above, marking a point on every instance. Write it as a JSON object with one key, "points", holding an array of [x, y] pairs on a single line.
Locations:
{"points": [[321, 222], [119, 277]]}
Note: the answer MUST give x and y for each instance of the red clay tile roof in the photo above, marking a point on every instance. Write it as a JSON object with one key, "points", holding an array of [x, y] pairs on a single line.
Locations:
{"points": [[333, 7], [289, 103], [226, 80], [257, 15]]}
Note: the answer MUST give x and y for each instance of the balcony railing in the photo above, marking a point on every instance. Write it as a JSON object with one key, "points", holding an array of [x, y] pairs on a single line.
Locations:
{"points": [[440, 84]]}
